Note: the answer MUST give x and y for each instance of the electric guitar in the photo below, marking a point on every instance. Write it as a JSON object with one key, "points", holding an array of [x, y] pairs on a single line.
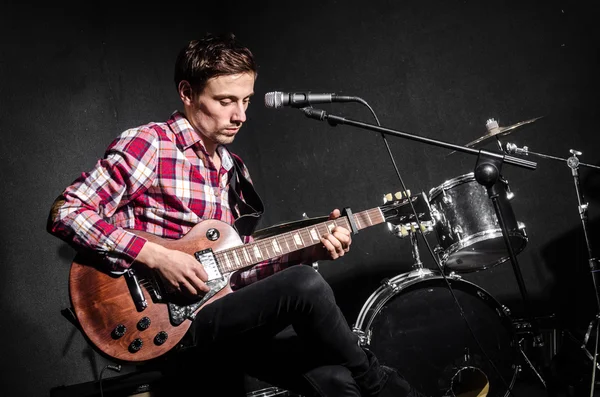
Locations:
{"points": [[131, 317]]}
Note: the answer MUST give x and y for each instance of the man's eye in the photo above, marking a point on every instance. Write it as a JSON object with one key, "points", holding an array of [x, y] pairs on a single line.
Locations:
{"points": [[225, 103]]}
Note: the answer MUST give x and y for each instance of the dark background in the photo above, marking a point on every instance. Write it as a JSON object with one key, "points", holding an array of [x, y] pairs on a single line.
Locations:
{"points": [[76, 75]]}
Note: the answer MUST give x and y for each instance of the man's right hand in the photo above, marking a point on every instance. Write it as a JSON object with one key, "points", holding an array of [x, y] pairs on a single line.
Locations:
{"points": [[181, 271]]}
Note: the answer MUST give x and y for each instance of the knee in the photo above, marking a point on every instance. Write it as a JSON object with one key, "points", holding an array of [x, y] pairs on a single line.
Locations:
{"points": [[305, 281]]}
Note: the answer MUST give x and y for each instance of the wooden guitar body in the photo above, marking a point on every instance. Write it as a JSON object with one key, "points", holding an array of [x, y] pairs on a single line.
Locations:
{"points": [[103, 301]]}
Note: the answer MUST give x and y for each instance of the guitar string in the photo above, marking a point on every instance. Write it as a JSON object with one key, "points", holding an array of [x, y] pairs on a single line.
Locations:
{"points": [[289, 238]]}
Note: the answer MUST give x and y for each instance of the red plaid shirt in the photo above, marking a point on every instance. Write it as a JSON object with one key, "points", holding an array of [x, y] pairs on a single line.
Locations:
{"points": [[157, 178]]}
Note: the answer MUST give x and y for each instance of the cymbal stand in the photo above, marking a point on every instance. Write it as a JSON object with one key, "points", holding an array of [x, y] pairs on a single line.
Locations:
{"points": [[488, 173], [573, 163]]}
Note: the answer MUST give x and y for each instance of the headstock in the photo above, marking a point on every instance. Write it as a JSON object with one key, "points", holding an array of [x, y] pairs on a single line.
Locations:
{"points": [[400, 216]]}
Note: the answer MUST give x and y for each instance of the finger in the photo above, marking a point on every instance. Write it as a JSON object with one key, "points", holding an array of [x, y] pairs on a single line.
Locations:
{"points": [[335, 214], [200, 272], [343, 236], [186, 287], [333, 245], [342, 231], [198, 284]]}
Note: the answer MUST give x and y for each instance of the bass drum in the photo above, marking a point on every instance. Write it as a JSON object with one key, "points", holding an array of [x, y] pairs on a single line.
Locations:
{"points": [[413, 324]]}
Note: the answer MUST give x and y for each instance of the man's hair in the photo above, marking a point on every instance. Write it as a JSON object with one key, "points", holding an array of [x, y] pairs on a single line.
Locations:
{"points": [[212, 56]]}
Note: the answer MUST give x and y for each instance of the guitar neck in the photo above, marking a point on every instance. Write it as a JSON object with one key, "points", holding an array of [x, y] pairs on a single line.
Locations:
{"points": [[236, 258]]}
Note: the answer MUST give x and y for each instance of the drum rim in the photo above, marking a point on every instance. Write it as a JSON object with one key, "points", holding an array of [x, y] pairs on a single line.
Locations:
{"points": [[368, 313], [390, 287], [450, 183], [478, 237]]}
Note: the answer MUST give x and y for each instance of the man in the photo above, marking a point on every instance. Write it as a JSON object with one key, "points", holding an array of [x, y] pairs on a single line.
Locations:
{"points": [[282, 324]]}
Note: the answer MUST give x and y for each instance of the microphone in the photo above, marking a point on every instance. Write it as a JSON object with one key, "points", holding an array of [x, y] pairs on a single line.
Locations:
{"points": [[277, 99]]}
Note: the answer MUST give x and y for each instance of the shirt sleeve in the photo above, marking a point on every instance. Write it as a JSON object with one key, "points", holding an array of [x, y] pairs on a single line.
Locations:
{"points": [[82, 214]]}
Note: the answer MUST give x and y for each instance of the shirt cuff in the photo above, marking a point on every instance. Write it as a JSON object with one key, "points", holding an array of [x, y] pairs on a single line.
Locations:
{"points": [[125, 249]]}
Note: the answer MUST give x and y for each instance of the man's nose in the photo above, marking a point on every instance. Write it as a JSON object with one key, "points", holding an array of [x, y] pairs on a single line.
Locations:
{"points": [[239, 115]]}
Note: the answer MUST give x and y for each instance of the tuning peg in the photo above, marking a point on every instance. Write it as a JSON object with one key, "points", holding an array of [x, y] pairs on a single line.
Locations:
{"points": [[403, 231], [399, 195], [387, 198]]}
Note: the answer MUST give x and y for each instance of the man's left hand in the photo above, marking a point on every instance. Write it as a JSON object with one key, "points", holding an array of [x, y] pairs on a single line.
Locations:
{"points": [[334, 244]]}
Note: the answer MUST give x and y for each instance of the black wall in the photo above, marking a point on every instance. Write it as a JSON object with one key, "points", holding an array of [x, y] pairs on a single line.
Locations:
{"points": [[75, 76]]}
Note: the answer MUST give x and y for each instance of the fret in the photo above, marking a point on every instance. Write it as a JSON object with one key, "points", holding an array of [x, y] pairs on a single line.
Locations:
{"points": [[314, 234], [298, 239], [358, 222], [323, 230], [247, 257], [236, 258], [266, 250], [276, 247], [227, 262], [257, 253]]}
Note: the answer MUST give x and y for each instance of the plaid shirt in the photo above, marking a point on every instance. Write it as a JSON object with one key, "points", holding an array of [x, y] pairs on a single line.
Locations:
{"points": [[157, 178]]}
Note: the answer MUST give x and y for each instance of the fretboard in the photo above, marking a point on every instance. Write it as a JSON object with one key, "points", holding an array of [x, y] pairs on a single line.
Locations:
{"points": [[247, 255]]}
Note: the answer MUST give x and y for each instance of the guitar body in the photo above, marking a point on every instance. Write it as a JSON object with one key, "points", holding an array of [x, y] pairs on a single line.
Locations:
{"points": [[103, 301]]}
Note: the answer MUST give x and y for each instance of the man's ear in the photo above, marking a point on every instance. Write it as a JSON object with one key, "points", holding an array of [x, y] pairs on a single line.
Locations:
{"points": [[185, 92]]}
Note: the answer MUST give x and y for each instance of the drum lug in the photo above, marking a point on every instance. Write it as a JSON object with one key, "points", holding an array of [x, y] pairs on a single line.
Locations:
{"points": [[364, 339], [435, 213], [446, 199], [505, 310], [388, 284], [458, 231]]}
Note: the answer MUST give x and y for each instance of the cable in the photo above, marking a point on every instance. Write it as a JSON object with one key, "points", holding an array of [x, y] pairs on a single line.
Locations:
{"points": [[116, 368], [435, 259]]}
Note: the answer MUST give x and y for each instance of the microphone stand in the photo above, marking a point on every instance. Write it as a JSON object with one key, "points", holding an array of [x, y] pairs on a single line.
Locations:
{"points": [[573, 163], [487, 174]]}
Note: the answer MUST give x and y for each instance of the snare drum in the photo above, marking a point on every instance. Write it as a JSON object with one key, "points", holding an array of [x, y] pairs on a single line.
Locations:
{"points": [[467, 229], [412, 324]]}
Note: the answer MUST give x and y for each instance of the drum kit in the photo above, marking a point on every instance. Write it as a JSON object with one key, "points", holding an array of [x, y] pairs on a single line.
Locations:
{"points": [[463, 343]]}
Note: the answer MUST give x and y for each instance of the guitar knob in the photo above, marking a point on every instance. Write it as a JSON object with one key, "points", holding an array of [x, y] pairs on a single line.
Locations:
{"points": [[136, 345], [119, 331], [161, 338], [144, 323]]}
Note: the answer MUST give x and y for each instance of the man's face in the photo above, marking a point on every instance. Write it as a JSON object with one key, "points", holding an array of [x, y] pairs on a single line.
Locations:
{"points": [[219, 111]]}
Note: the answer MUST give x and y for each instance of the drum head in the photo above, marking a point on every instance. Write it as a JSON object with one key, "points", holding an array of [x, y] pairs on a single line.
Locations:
{"points": [[420, 332]]}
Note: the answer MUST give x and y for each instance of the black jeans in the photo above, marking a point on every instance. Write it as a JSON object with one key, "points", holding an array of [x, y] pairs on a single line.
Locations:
{"points": [[286, 330]]}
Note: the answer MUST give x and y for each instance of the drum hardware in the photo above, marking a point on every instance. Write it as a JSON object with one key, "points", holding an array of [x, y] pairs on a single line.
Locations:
{"points": [[573, 163]]}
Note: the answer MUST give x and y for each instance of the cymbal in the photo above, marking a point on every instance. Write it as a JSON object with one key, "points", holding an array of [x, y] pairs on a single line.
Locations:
{"points": [[287, 226], [495, 130]]}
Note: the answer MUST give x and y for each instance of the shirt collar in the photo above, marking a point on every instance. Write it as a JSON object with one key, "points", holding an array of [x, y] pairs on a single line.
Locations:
{"points": [[188, 137]]}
